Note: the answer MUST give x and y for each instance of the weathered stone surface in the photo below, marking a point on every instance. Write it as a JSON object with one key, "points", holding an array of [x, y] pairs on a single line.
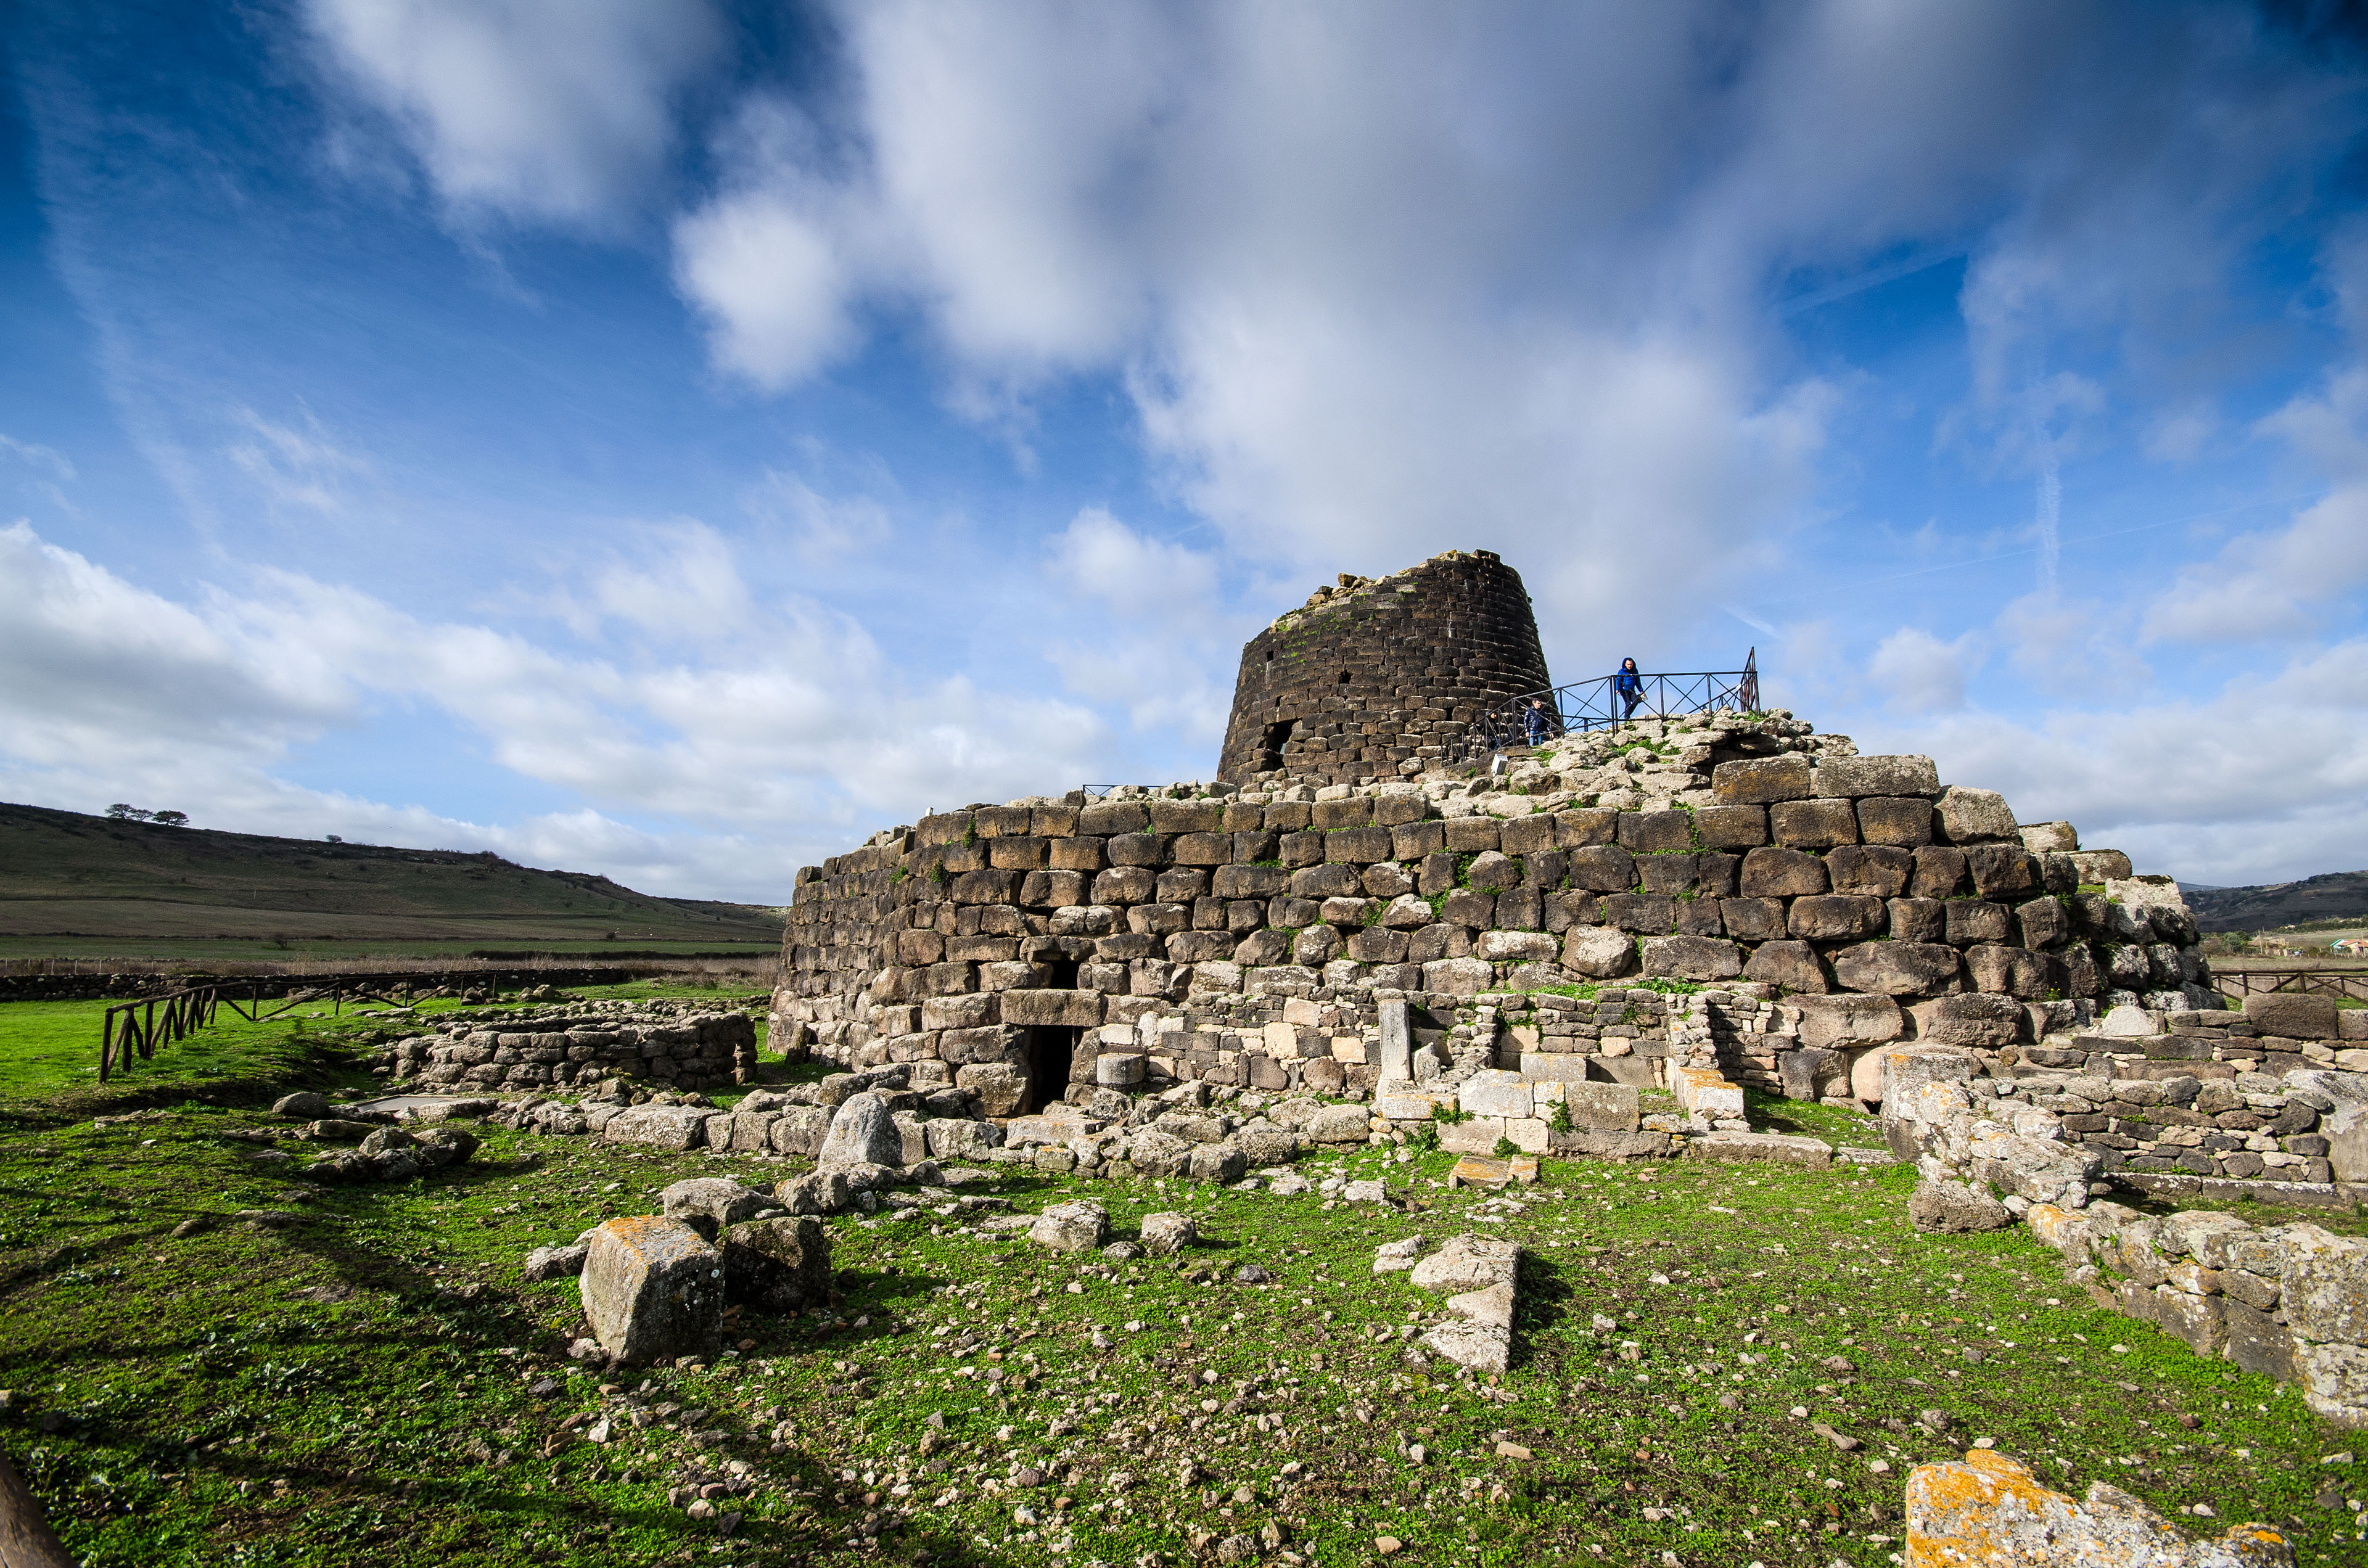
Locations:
{"points": [[1952, 1207], [2292, 1017], [1732, 1148], [1898, 969], [1976, 1019], [664, 1127], [1602, 1107], [1904, 823], [1469, 1262], [1166, 1234], [708, 1204], [1774, 872], [2344, 1121], [303, 1106], [1793, 965], [1757, 781], [653, 1289], [777, 1265], [1861, 776], [1519, 946], [1484, 1348], [1813, 824], [1848, 1019], [1836, 918], [1080, 1225], [1969, 816], [1000, 1088], [1989, 1513], [1691, 958], [1340, 1124], [1058, 1009], [862, 1132], [1597, 952], [816, 1192], [557, 1263]]}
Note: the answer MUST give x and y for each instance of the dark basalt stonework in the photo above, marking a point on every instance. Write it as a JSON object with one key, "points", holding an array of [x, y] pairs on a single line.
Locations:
{"points": [[1374, 672]]}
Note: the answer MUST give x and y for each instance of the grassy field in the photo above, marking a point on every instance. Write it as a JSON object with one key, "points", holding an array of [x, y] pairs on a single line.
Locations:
{"points": [[92, 882], [373, 1379], [208, 952]]}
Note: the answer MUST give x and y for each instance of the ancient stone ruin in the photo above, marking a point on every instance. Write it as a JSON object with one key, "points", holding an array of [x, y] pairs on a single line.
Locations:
{"points": [[1356, 934], [1377, 679]]}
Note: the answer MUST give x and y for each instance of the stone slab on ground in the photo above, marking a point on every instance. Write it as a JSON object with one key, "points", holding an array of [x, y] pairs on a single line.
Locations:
{"points": [[1989, 1512], [1487, 1170], [1773, 1148], [2227, 1189], [1483, 1272], [653, 1289]]}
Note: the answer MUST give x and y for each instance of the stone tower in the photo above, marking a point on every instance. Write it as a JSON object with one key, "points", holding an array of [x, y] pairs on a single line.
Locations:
{"points": [[1377, 676]]}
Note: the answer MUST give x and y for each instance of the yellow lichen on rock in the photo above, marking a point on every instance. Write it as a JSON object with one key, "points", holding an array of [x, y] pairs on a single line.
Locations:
{"points": [[1989, 1512]]}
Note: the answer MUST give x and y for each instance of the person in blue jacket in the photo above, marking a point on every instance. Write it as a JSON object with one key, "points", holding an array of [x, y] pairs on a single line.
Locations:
{"points": [[1629, 686], [1534, 721]]}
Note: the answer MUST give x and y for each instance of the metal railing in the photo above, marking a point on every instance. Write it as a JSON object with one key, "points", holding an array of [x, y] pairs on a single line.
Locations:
{"points": [[1600, 704], [142, 1028]]}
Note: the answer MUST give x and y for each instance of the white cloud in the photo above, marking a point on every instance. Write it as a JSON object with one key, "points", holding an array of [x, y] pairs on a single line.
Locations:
{"points": [[796, 738], [818, 527], [1917, 673], [2287, 583], [37, 456], [294, 468], [549, 109], [2264, 780], [1139, 577]]}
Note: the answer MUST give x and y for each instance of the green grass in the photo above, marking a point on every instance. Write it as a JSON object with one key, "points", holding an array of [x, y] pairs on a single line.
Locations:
{"points": [[85, 884], [377, 1353], [49, 1046], [1835, 1124]]}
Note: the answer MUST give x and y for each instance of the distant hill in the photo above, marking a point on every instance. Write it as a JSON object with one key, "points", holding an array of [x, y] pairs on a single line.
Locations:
{"points": [[63, 873], [2335, 895]]}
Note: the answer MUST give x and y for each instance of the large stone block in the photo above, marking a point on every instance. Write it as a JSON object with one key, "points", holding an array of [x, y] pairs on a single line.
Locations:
{"points": [[1602, 867], [1813, 824], [1494, 1092], [1898, 969], [1848, 1019], [1691, 958], [1597, 952], [1989, 1513], [1855, 776], [2007, 871], [1876, 870], [653, 1289], [1656, 832], [1080, 1225], [2009, 972], [1836, 918], [2292, 1016], [1515, 947], [1954, 1208], [1903, 821], [1732, 828], [1602, 1107], [1781, 873], [1969, 816], [1769, 1148], [1056, 1009], [708, 1204], [662, 1126], [1755, 781], [777, 1265], [1795, 966], [863, 1132], [1458, 977], [800, 1129]]}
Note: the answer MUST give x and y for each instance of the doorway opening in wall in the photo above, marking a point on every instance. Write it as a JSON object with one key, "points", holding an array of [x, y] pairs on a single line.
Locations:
{"points": [[1050, 1049], [1270, 750]]}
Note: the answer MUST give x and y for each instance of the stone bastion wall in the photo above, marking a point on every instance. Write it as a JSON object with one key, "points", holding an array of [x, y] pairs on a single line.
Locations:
{"points": [[1691, 905]]}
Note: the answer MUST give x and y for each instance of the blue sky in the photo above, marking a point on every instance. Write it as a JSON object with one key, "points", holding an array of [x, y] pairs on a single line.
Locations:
{"points": [[674, 439]]}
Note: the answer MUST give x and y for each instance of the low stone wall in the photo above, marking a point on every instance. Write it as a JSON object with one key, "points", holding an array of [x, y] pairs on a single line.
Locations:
{"points": [[581, 1044], [2288, 1301]]}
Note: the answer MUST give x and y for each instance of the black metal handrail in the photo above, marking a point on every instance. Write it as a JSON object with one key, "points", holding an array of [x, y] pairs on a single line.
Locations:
{"points": [[1600, 704]]}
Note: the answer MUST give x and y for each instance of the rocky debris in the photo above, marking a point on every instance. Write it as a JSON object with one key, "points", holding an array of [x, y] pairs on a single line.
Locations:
{"points": [[1483, 1272], [708, 1204], [658, 1126], [1481, 1170], [1989, 1512], [1080, 1225], [816, 1192], [1396, 1258], [1952, 1207], [303, 1106], [863, 1132], [632, 1046], [557, 1263], [1166, 1234], [653, 1289], [777, 1265], [390, 1153]]}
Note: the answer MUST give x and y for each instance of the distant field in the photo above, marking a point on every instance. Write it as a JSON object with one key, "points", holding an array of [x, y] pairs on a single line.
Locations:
{"points": [[200, 951], [83, 886]]}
